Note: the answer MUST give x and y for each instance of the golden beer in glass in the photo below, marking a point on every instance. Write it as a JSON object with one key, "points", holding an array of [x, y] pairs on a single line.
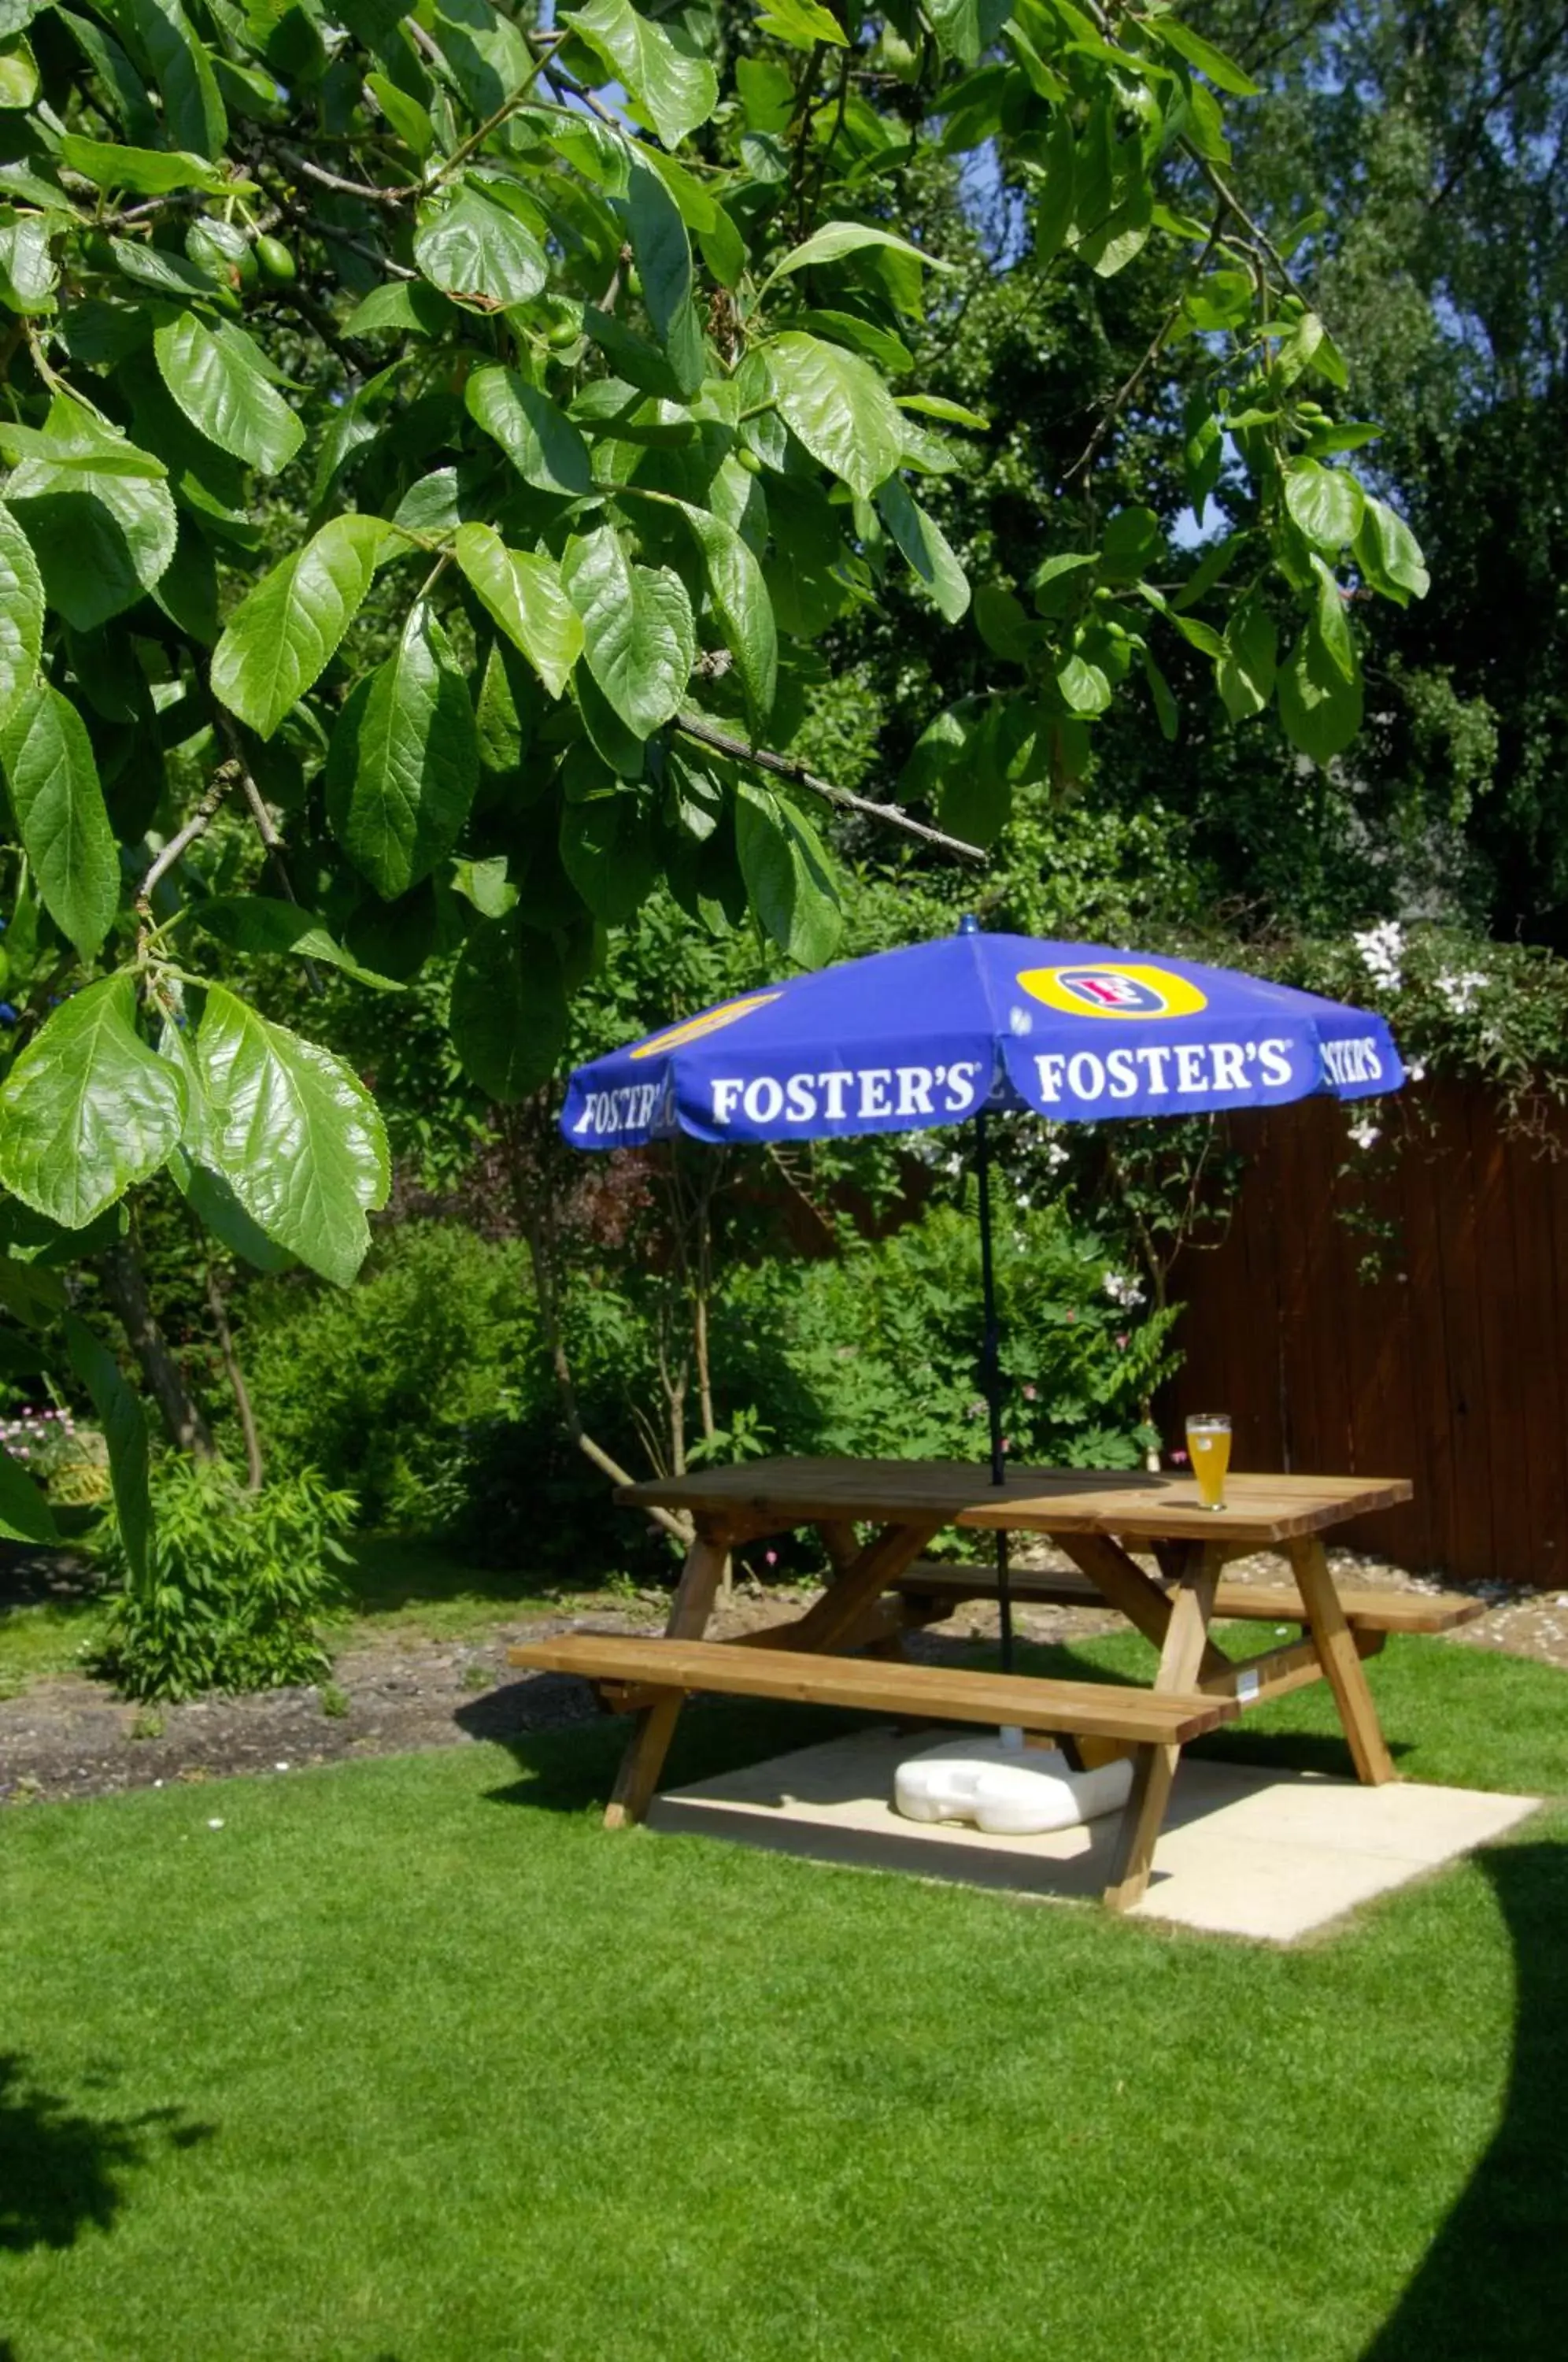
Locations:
{"points": [[1209, 1449]]}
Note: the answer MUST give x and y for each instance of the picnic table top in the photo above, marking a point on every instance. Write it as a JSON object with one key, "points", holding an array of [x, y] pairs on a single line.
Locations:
{"points": [[763, 1497]]}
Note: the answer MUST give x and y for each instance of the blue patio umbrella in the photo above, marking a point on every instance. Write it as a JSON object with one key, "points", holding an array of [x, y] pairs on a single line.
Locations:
{"points": [[976, 1025]]}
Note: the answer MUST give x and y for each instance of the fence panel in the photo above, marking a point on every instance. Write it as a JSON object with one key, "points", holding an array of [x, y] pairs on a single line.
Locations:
{"points": [[1450, 1367]]}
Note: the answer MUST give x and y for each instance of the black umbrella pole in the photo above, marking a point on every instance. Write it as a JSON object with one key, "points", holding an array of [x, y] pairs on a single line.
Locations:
{"points": [[990, 1376]]}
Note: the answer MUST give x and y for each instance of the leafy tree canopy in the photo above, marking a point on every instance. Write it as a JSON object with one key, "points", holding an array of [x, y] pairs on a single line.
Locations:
{"points": [[440, 438]]}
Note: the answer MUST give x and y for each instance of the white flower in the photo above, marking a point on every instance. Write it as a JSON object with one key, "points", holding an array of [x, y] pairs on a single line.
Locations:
{"points": [[1381, 949], [1461, 989], [1056, 1154], [1416, 1074], [1121, 1289], [1366, 1133]]}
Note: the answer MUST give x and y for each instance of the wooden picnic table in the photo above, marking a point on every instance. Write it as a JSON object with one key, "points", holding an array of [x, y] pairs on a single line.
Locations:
{"points": [[881, 1588]]}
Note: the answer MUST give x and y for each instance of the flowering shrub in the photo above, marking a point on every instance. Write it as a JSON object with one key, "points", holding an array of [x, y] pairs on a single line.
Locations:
{"points": [[70, 1461]]}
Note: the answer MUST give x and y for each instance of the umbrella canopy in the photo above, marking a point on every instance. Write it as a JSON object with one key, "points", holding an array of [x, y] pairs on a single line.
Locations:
{"points": [[970, 1026], [907, 1039]]}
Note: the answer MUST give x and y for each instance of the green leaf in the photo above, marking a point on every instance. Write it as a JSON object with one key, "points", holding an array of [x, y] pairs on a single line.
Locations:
{"points": [[485, 884], [508, 1012], [1005, 624], [801, 24], [943, 744], [294, 1133], [164, 274], [21, 616], [523, 594], [1389, 555], [1165, 703], [25, 1513], [87, 1110], [1249, 661], [223, 396], [1319, 707], [411, 121], [258, 924], [147, 171], [1333, 622], [739, 593], [1326, 502], [661, 248], [479, 253], [60, 817], [839, 408], [217, 1209], [102, 536], [27, 272], [836, 239], [965, 28], [925, 547], [1085, 687], [282, 635], [1222, 71], [639, 637], [124, 1430], [538, 438], [936, 405], [788, 877], [607, 850], [18, 74], [877, 343], [404, 761], [662, 74], [192, 110], [403, 307], [126, 92]]}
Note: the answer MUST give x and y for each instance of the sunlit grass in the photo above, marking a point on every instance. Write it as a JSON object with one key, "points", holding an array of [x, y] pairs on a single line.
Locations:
{"points": [[409, 2059]]}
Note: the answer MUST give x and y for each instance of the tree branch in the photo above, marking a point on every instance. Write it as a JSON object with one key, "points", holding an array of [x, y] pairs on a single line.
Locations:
{"points": [[693, 725], [265, 828], [225, 777]]}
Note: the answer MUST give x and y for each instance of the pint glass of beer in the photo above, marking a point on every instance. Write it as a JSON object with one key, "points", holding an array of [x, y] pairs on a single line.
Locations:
{"points": [[1209, 1448]]}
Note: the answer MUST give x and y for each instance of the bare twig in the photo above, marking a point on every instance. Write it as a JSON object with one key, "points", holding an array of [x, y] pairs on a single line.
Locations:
{"points": [[366, 191], [693, 725], [265, 828], [1125, 392], [343, 237], [225, 777]]}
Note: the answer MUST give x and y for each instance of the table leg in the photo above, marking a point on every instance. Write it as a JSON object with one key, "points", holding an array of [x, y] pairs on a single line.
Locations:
{"points": [[1187, 1638], [654, 1726], [1340, 1660]]}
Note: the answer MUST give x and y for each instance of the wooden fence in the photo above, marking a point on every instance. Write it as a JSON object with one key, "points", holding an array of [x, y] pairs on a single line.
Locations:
{"points": [[1452, 1368]]}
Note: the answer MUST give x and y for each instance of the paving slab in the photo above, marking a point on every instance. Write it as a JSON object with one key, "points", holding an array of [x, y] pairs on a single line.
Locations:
{"points": [[1245, 1851]]}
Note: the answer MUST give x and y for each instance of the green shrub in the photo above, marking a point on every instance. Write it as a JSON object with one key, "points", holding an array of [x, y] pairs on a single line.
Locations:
{"points": [[378, 1386], [878, 1352], [234, 1583]]}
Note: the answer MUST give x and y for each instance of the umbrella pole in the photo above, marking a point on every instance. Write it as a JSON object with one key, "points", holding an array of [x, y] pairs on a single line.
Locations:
{"points": [[990, 1373]]}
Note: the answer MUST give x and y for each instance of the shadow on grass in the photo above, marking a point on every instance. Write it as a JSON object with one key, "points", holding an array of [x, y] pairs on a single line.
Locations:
{"points": [[1495, 2280], [62, 2172]]}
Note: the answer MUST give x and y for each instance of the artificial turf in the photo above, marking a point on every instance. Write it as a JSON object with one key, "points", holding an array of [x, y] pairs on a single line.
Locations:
{"points": [[409, 2060]]}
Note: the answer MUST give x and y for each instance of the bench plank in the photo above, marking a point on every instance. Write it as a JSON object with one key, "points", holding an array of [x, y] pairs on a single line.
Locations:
{"points": [[1249, 1602], [1095, 1709]]}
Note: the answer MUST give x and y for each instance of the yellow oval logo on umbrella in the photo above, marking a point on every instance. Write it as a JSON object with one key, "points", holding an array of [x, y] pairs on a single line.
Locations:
{"points": [[1116, 989], [712, 1020]]}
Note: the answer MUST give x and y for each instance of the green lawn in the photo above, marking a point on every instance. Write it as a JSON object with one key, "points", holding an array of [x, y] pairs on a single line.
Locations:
{"points": [[409, 2059]]}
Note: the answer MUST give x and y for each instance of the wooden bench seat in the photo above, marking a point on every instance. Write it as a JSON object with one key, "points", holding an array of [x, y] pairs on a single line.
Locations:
{"points": [[930, 1584], [641, 1668]]}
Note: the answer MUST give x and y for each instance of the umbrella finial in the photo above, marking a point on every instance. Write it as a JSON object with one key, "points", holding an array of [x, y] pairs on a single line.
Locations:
{"points": [[968, 925]]}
